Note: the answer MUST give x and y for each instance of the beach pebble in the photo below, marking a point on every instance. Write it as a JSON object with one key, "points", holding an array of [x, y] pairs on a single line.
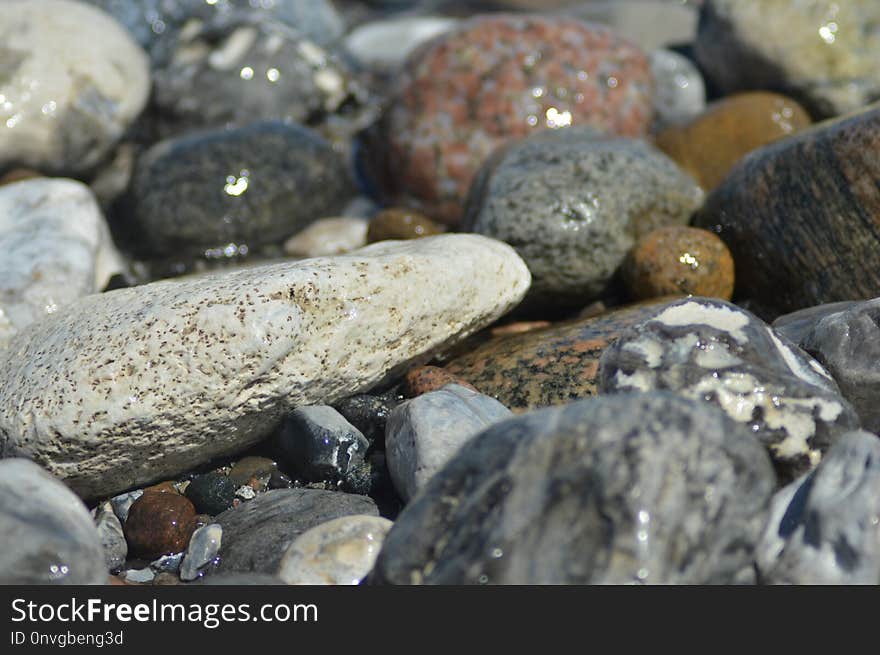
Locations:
{"points": [[112, 537], [211, 493], [399, 223], [328, 236], [383, 45], [680, 92], [159, 524], [202, 550]]}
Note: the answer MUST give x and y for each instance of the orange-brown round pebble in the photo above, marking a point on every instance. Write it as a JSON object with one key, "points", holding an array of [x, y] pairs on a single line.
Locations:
{"points": [[159, 524], [429, 378], [166, 487], [679, 260], [400, 224]]}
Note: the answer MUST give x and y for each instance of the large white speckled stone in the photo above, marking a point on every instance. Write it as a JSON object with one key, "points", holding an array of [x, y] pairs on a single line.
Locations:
{"points": [[143, 383], [56, 248], [71, 81]]}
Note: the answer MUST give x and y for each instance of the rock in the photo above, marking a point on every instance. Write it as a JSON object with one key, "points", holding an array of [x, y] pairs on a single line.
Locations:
{"points": [[649, 24], [711, 144], [547, 367], [383, 45], [680, 93], [397, 223], [257, 534], [712, 351], [122, 504], [49, 535], [824, 527], [679, 260], [649, 488], [797, 325], [424, 433], [211, 493], [166, 487], [159, 524], [58, 249], [328, 236], [112, 537], [424, 379], [166, 579], [236, 579], [368, 414], [203, 548], [140, 576], [221, 194], [167, 563], [19, 175], [69, 94], [572, 205], [825, 54], [143, 383], [247, 468], [338, 552], [447, 113], [799, 217], [320, 445]]}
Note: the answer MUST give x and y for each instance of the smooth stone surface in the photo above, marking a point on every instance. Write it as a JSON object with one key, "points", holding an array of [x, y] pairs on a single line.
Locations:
{"points": [[73, 81], [211, 493], [159, 524], [203, 548], [448, 113], [143, 383], [400, 223], [648, 488], [122, 504], [256, 534], [711, 144], [57, 249], [49, 534], [220, 194], [801, 216], [823, 52], [383, 45], [251, 467], [167, 563], [112, 537], [825, 527], [680, 92], [714, 352], [573, 203], [338, 552], [328, 236], [796, 325], [424, 433]]}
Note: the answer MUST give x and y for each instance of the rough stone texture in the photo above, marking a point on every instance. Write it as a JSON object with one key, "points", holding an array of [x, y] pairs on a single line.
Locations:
{"points": [[48, 533], [399, 223], [801, 216], [573, 204], [112, 537], [136, 384], [825, 53], [328, 236], [222, 193], [825, 527], [549, 366], [710, 145], [648, 488], [712, 351], [338, 552], [680, 93], [500, 77], [256, 534], [211, 493], [73, 81], [203, 548], [159, 524], [57, 249], [424, 433]]}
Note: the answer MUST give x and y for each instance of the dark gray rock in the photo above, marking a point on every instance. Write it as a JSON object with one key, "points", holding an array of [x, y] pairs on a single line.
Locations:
{"points": [[112, 537], [715, 352], [211, 493], [825, 527], [369, 414], [122, 503], [219, 194], [650, 488], [257, 533], [573, 203], [796, 325]]}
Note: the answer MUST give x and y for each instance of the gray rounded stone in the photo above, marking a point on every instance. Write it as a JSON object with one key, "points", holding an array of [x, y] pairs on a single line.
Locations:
{"points": [[680, 92], [203, 547], [649, 488], [112, 537]]}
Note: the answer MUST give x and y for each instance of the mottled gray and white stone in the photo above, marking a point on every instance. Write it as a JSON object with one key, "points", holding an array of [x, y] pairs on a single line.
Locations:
{"points": [[57, 248], [424, 433], [338, 552], [824, 528], [328, 236], [203, 548], [167, 563], [141, 384], [72, 82], [140, 576], [680, 92], [123, 502], [635, 488], [715, 352], [48, 534], [112, 537], [383, 45]]}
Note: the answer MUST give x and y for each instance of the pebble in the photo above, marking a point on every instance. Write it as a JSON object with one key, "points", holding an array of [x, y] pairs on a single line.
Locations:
{"points": [[220, 194], [69, 94], [796, 325], [424, 433], [49, 534], [572, 205], [714, 352], [150, 381], [248, 468], [122, 504], [679, 260], [424, 379], [57, 249], [649, 24], [368, 414], [211, 493], [140, 576], [167, 563], [680, 93], [400, 223], [328, 236], [338, 552], [203, 548], [646, 488], [711, 144], [112, 537], [448, 112], [796, 217], [159, 524], [256, 534], [824, 527], [19, 175], [383, 45]]}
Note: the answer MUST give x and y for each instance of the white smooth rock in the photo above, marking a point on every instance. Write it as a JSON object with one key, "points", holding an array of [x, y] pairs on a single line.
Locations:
{"points": [[73, 81], [328, 236], [680, 94], [140, 384], [56, 246], [384, 45]]}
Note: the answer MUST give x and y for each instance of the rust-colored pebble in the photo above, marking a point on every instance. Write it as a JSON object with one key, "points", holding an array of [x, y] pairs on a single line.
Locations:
{"points": [[166, 487], [159, 524], [423, 379], [398, 223]]}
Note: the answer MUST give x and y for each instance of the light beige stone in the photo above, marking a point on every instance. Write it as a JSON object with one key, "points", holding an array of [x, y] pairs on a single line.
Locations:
{"points": [[328, 236]]}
